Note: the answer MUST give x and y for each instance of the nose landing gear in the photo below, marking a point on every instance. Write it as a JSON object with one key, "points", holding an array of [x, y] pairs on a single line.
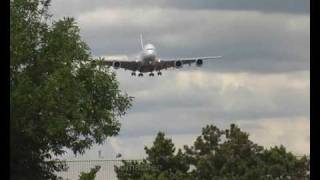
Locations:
{"points": [[133, 74], [140, 74], [159, 73]]}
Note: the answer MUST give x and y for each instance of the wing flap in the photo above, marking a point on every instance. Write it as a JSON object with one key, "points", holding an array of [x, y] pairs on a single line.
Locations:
{"points": [[167, 63], [127, 65]]}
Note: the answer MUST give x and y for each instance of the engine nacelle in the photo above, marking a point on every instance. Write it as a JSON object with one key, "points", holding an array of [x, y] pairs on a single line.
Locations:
{"points": [[199, 62], [178, 64], [116, 64]]}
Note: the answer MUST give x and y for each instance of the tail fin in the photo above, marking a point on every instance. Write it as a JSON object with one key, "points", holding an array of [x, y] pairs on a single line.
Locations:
{"points": [[141, 41]]}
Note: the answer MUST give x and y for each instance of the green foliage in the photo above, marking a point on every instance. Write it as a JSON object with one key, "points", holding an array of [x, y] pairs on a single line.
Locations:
{"points": [[218, 154], [58, 98], [91, 175], [161, 155], [279, 162], [132, 169], [161, 163]]}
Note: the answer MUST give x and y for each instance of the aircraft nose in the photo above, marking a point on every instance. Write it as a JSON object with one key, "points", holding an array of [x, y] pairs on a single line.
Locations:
{"points": [[150, 52]]}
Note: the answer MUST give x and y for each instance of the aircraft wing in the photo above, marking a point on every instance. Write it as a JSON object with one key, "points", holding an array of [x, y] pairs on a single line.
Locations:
{"points": [[127, 65], [163, 64], [167, 63]]}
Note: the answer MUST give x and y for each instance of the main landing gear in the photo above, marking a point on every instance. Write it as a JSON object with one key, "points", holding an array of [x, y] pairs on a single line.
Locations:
{"points": [[150, 74], [159, 73]]}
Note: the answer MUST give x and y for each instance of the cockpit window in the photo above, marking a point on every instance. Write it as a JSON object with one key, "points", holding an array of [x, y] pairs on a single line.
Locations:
{"points": [[149, 47]]}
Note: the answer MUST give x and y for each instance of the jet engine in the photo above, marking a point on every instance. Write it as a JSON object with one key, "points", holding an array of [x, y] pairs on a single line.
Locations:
{"points": [[199, 62], [116, 64], [178, 64]]}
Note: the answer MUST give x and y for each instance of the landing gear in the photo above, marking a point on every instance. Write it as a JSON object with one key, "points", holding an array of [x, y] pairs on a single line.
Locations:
{"points": [[151, 74], [140, 74], [133, 74], [159, 73]]}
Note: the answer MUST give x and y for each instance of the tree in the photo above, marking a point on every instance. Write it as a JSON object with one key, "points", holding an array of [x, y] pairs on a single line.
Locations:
{"points": [[58, 98], [278, 162], [161, 163], [219, 154], [91, 175], [237, 157]]}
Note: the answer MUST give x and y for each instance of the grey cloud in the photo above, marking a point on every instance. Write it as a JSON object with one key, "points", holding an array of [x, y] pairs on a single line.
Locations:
{"points": [[267, 6], [279, 131], [75, 7], [157, 106], [186, 120], [248, 41], [266, 40]]}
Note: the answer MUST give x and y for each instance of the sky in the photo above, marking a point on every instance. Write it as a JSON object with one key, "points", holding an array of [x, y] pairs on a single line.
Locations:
{"points": [[262, 83]]}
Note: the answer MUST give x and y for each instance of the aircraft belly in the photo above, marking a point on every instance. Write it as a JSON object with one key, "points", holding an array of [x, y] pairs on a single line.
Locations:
{"points": [[147, 68], [149, 59]]}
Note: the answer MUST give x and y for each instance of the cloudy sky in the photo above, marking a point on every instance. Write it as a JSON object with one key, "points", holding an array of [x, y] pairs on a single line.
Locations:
{"points": [[262, 83]]}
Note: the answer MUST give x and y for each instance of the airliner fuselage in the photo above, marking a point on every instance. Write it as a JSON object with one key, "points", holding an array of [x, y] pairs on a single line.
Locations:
{"points": [[148, 54], [149, 62]]}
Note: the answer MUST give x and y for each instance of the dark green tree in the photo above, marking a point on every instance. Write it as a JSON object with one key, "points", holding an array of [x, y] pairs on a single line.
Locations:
{"points": [[280, 163], [58, 99], [219, 155], [132, 169], [91, 175], [230, 154], [161, 163]]}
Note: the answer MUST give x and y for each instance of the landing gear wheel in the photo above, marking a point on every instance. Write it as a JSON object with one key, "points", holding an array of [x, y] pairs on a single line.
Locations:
{"points": [[140, 74], [151, 74], [133, 74], [159, 73]]}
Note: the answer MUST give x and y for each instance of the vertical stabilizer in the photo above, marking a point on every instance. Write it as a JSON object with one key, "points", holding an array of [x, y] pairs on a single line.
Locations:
{"points": [[141, 41]]}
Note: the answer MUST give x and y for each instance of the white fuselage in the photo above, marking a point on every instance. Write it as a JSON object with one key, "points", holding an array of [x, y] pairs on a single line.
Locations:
{"points": [[148, 61], [148, 54]]}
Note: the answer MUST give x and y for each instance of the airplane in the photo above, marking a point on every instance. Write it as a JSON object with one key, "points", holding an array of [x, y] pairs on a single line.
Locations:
{"points": [[148, 61]]}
